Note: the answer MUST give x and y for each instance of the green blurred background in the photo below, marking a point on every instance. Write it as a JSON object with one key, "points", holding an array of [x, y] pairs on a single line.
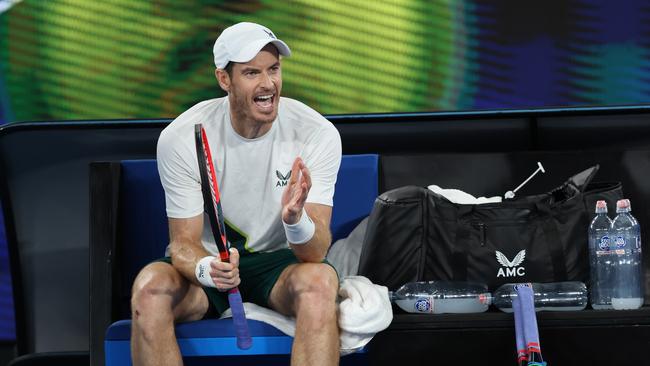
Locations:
{"points": [[116, 59], [84, 59]]}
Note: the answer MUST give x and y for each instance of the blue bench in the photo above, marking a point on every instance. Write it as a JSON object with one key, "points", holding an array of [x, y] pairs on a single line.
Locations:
{"points": [[143, 235]]}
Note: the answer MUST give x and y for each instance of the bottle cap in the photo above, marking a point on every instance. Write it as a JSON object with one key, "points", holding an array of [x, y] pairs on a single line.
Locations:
{"points": [[623, 204], [601, 206]]}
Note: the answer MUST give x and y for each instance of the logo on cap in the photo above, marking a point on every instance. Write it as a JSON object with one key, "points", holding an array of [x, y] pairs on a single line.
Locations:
{"points": [[269, 33]]}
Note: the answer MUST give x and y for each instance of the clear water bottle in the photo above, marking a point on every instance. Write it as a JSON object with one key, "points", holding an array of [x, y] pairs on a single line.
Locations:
{"points": [[438, 297], [629, 291], [602, 259], [552, 296]]}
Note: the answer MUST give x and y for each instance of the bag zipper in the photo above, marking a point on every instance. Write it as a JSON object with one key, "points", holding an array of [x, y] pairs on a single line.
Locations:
{"points": [[483, 227]]}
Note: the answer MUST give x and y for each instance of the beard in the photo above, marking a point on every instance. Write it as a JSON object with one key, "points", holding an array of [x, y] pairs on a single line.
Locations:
{"points": [[244, 110]]}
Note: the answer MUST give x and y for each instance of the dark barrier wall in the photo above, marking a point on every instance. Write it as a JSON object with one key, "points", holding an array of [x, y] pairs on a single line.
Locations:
{"points": [[7, 328], [44, 184], [7, 325], [45, 170]]}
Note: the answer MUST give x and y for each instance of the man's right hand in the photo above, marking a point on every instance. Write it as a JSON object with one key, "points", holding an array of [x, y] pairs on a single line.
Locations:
{"points": [[225, 275], [187, 253]]}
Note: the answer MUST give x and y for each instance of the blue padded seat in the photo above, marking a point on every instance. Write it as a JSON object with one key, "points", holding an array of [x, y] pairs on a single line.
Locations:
{"points": [[209, 337], [143, 235]]}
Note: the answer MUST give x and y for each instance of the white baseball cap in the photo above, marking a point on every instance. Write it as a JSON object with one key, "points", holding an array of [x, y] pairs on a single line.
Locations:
{"points": [[242, 42]]}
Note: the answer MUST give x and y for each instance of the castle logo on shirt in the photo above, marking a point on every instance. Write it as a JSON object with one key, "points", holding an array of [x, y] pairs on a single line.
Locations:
{"points": [[282, 179]]}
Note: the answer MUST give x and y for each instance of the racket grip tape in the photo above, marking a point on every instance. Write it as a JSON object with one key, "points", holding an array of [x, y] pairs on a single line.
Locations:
{"points": [[244, 340]]}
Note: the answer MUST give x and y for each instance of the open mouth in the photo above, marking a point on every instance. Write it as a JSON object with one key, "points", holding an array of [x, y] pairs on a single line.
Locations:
{"points": [[264, 101]]}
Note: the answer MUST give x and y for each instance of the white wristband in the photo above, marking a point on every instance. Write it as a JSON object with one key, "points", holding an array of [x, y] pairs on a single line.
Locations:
{"points": [[300, 232], [202, 271]]}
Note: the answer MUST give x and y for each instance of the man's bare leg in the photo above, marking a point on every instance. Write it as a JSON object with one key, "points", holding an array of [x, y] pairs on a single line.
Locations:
{"points": [[160, 297], [308, 291]]}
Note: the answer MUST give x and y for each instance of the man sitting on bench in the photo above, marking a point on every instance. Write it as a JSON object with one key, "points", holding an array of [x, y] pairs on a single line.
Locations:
{"points": [[277, 162]]}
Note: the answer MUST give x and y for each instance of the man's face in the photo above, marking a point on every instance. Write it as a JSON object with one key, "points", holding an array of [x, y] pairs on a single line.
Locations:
{"points": [[254, 88]]}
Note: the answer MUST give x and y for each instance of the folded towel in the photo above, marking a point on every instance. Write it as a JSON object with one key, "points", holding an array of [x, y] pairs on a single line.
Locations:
{"points": [[364, 310], [460, 197]]}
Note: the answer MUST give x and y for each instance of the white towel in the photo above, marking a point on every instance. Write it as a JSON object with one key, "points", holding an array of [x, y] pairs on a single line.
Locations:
{"points": [[461, 197], [364, 310]]}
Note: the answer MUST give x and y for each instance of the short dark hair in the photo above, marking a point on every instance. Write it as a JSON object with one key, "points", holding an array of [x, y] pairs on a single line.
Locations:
{"points": [[228, 68]]}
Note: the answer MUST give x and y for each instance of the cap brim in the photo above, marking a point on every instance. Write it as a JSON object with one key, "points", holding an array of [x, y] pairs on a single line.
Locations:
{"points": [[250, 51]]}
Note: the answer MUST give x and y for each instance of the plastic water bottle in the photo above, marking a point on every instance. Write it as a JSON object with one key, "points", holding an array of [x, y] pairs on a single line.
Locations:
{"points": [[602, 259], [552, 296], [438, 297], [629, 291]]}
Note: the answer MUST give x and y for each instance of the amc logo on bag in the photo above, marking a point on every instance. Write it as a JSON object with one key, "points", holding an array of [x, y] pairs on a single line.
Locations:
{"points": [[511, 268]]}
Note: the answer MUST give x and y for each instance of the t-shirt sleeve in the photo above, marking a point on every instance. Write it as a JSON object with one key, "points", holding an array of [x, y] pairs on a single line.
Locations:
{"points": [[323, 159], [178, 171]]}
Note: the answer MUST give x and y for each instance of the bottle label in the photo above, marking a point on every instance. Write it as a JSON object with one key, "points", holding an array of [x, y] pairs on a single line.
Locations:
{"points": [[424, 304], [619, 241], [604, 243]]}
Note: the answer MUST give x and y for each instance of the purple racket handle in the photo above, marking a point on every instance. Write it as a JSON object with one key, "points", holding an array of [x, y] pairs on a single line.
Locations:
{"points": [[522, 350], [244, 340]]}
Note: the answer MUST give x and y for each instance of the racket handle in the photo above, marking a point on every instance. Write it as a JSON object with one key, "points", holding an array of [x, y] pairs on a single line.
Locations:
{"points": [[244, 340]]}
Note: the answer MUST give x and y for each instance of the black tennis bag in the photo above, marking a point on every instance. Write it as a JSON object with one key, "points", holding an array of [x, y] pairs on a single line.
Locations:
{"points": [[414, 234]]}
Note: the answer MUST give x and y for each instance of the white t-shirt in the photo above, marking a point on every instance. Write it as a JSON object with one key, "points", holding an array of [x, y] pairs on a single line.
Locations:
{"points": [[251, 173]]}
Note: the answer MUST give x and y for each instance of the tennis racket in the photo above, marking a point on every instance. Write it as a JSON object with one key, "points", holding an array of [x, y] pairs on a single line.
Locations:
{"points": [[212, 200]]}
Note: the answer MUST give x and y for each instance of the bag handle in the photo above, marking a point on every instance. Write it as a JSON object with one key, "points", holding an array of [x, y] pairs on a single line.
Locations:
{"points": [[553, 240], [582, 179], [459, 256]]}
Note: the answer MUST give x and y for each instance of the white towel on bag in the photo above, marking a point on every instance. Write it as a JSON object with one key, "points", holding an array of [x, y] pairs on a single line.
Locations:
{"points": [[461, 197]]}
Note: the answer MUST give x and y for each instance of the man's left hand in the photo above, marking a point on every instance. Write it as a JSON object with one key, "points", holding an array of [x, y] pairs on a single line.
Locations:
{"points": [[295, 193]]}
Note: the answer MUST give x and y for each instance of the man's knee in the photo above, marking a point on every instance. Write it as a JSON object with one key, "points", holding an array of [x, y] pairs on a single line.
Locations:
{"points": [[154, 290], [315, 284]]}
